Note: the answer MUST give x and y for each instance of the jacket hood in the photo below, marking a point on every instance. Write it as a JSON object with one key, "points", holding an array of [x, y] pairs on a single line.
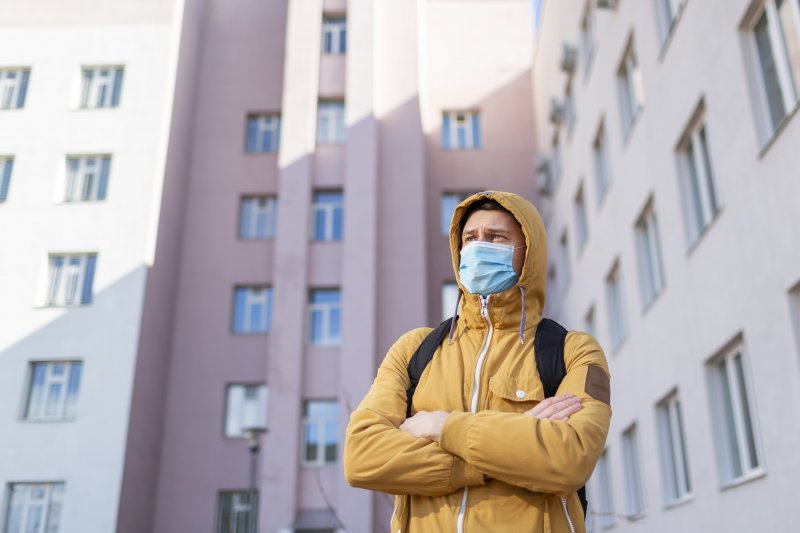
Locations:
{"points": [[506, 308]]}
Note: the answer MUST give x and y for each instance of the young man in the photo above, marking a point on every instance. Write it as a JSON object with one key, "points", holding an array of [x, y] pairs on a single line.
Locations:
{"points": [[484, 451]]}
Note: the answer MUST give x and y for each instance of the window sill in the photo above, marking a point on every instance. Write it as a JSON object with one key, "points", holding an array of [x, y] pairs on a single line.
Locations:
{"points": [[303, 464], [775, 134], [747, 478], [706, 229], [46, 420], [249, 333], [62, 306], [683, 500]]}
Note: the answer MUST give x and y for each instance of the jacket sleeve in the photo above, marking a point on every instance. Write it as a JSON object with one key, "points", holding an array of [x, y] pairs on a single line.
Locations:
{"points": [[379, 456], [541, 455]]}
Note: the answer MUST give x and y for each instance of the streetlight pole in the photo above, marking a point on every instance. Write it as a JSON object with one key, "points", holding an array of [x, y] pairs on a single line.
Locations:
{"points": [[252, 434]]}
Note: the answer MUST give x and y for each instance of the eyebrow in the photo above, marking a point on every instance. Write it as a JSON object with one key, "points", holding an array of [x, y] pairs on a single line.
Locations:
{"points": [[490, 229]]}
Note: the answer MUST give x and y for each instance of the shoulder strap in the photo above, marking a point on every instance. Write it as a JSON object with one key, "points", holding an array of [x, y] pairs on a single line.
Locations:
{"points": [[548, 345], [423, 356]]}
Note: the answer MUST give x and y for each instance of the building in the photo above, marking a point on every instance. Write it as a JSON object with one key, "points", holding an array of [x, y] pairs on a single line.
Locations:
{"points": [[219, 215], [670, 138]]}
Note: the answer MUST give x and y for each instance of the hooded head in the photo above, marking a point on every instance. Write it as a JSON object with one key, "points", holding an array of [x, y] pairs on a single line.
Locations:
{"points": [[506, 308]]}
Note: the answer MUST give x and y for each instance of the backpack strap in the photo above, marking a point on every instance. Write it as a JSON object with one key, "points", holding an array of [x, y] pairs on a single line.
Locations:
{"points": [[423, 356], [548, 345]]}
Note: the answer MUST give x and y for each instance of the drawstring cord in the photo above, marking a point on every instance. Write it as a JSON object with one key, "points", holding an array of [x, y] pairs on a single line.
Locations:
{"points": [[455, 317], [522, 322]]}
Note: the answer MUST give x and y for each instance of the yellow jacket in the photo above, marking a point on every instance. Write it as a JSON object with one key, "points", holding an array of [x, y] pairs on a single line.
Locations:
{"points": [[495, 469]]}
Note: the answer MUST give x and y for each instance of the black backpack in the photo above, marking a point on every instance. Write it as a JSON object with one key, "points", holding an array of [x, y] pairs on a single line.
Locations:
{"points": [[548, 346]]}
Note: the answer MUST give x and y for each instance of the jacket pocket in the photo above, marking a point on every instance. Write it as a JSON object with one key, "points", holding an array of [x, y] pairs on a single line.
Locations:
{"points": [[514, 394]]}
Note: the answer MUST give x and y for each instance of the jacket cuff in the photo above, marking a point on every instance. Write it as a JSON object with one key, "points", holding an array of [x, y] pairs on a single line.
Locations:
{"points": [[453, 437]]}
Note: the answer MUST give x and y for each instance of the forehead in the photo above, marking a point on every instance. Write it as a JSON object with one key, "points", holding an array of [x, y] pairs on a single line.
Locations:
{"points": [[495, 219]]}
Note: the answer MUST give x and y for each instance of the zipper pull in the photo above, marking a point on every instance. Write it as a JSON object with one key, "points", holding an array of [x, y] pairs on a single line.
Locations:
{"points": [[485, 307]]}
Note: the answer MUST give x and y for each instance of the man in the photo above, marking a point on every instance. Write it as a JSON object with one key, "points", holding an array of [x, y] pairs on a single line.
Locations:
{"points": [[484, 450]]}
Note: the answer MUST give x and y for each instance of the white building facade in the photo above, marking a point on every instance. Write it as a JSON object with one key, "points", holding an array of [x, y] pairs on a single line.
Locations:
{"points": [[670, 178]]}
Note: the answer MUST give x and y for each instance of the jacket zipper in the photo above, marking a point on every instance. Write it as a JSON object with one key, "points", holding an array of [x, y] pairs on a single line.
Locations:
{"points": [[566, 514], [474, 402]]}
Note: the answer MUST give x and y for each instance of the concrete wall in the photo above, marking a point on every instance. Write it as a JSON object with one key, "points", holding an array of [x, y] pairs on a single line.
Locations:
{"points": [[733, 281]]}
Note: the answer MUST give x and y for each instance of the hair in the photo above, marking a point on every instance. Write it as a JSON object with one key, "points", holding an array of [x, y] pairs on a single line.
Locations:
{"points": [[484, 205]]}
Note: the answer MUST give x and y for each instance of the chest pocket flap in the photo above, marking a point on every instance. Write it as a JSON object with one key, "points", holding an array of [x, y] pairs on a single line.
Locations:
{"points": [[512, 393]]}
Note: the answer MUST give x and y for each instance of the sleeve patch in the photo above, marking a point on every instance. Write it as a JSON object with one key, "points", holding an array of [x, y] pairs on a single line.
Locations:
{"points": [[598, 385]]}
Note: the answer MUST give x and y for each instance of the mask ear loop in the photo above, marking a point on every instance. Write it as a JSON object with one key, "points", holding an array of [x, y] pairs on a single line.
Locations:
{"points": [[455, 317], [522, 322]]}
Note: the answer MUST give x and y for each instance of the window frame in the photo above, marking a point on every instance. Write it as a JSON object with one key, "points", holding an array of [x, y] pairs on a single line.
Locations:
{"points": [[14, 91], [581, 218], [336, 26], [587, 32], [617, 308], [630, 88], [249, 225], [329, 209], [565, 262], [650, 260], [601, 163], [635, 497], [258, 126], [247, 305], [91, 96], [75, 180], [467, 119], [58, 281], [606, 517], [240, 418], [326, 309], [252, 510], [53, 503], [321, 425], [673, 453], [331, 113], [67, 401], [6, 170]]}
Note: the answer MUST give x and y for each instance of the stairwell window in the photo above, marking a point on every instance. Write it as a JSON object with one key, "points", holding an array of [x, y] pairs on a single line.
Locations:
{"points": [[101, 87], [634, 482], [34, 507], [328, 213], [651, 265], [677, 483], [252, 309], [602, 170], [631, 88], [53, 390], [330, 122], [320, 432], [70, 279], [698, 184], [13, 87], [774, 46], [6, 166], [325, 317], [733, 416], [263, 132], [257, 217], [617, 319], [461, 130], [334, 35], [87, 178], [245, 407]]}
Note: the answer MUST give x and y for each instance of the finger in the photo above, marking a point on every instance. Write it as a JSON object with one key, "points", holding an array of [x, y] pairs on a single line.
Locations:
{"points": [[559, 406], [566, 412], [537, 409]]}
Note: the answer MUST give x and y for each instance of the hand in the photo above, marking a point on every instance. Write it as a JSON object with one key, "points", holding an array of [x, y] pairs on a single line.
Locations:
{"points": [[556, 408], [425, 424]]}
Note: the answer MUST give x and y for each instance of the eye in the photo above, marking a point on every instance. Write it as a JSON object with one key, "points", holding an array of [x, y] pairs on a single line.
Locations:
{"points": [[469, 239]]}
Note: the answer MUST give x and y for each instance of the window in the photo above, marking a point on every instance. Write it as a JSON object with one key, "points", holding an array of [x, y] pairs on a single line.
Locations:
{"points": [[601, 165], [328, 212], [449, 299], [555, 160], [569, 108], [564, 262], [87, 178], [450, 201], [587, 36], [245, 407], [461, 130], [325, 317], [667, 12], [794, 306], [589, 322], [34, 508], [334, 35], [674, 462], [330, 122], [776, 50], [252, 309], [634, 484], [651, 270], [700, 196], [263, 132], [733, 417], [6, 165], [70, 279], [53, 391], [602, 474], [617, 320], [257, 217], [13, 87], [237, 512], [321, 432], [581, 224], [101, 87], [631, 88]]}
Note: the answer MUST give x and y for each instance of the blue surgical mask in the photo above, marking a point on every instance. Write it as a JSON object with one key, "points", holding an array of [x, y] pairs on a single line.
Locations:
{"points": [[487, 268]]}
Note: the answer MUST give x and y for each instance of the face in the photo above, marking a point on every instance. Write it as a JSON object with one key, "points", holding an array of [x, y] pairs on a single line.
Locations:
{"points": [[498, 227]]}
